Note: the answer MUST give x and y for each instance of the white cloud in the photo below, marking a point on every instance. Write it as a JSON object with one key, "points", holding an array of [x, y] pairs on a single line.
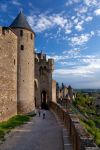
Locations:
{"points": [[89, 18], [89, 68], [59, 20], [79, 27], [42, 22], [71, 2], [76, 20], [72, 52], [91, 3], [58, 57], [82, 39], [81, 9], [76, 71], [97, 12]]}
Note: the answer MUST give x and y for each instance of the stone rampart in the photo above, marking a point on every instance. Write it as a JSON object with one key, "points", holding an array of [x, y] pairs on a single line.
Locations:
{"points": [[79, 137], [8, 74]]}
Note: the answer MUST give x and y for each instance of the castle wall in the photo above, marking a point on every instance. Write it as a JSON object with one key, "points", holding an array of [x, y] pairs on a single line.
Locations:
{"points": [[8, 74], [54, 91], [79, 137], [43, 73], [25, 71]]}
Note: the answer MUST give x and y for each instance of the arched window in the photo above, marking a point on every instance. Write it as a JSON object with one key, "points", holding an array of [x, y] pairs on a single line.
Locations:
{"points": [[21, 32]]}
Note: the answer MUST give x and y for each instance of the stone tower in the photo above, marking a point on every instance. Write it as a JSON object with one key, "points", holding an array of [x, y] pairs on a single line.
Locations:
{"points": [[70, 92], [43, 80], [25, 59]]}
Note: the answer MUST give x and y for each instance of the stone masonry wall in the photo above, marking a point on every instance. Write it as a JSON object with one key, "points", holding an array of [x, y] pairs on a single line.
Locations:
{"points": [[81, 140], [25, 83], [8, 74], [43, 74], [54, 91]]}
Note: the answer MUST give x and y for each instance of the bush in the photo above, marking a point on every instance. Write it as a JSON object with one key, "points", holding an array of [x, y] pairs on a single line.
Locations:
{"points": [[91, 123]]}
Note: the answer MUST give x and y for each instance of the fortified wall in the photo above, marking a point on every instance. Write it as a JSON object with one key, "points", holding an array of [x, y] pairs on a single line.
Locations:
{"points": [[8, 73], [80, 139], [25, 77], [43, 80]]}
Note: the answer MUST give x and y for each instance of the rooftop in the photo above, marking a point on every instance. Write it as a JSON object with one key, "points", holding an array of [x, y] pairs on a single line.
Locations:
{"points": [[21, 22]]}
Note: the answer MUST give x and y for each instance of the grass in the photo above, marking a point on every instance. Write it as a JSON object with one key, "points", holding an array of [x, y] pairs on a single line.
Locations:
{"points": [[90, 125], [13, 122]]}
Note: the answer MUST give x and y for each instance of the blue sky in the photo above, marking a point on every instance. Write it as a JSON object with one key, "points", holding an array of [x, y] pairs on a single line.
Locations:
{"points": [[68, 31]]}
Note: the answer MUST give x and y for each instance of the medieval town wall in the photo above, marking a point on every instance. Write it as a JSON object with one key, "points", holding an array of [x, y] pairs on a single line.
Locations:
{"points": [[43, 75], [8, 74], [79, 137]]}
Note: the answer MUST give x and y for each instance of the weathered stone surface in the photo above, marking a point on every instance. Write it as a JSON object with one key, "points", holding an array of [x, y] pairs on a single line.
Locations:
{"points": [[8, 73], [54, 91], [81, 139], [43, 79], [23, 85], [25, 75]]}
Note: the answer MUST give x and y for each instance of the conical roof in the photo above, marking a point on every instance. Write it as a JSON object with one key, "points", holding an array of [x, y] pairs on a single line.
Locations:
{"points": [[21, 22]]}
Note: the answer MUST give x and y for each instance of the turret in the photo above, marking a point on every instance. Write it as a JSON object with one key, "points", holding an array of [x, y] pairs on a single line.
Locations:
{"points": [[25, 72], [70, 92], [51, 64]]}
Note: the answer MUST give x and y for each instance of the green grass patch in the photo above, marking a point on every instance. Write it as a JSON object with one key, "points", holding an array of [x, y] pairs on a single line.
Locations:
{"points": [[91, 128], [13, 122]]}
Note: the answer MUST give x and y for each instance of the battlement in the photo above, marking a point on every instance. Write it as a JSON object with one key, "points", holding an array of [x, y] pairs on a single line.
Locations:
{"points": [[4, 31], [51, 63], [80, 138], [42, 57]]}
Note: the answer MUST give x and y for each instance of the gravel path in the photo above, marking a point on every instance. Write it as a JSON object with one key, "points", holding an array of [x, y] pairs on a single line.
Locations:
{"points": [[38, 134]]}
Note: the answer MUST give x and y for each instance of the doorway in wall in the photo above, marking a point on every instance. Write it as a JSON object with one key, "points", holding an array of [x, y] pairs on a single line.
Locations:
{"points": [[44, 104]]}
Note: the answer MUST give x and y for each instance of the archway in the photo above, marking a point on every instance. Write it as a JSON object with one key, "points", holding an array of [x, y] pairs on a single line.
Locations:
{"points": [[44, 104]]}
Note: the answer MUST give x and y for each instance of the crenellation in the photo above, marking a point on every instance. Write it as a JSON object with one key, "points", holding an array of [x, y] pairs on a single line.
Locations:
{"points": [[26, 76], [80, 138], [26, 82], [43, 74]]}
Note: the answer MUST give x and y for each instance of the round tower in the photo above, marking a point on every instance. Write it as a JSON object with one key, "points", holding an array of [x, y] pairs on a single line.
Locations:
{"points": [[25, 69]]}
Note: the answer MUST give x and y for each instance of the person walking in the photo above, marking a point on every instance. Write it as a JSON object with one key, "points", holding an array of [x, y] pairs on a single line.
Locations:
{"points": [[44, 114]]}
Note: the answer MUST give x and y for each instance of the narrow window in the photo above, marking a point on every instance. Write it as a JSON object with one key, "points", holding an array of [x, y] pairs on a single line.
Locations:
{"points": [[22, 47], [31, 36], [14, 61], [21, 32]]}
